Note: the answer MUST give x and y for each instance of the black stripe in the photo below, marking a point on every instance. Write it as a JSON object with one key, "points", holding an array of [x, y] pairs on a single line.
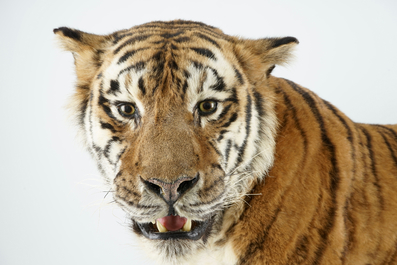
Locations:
{"points": [[141, 85], [97, 58], [186, 74], [224, 112], [373, 168], [120, 154], [182, 39], [189, 207], [202, 36], [106, 150], [83, 86], [216, 182], [105, 125], [114, 87], [173, 65], [130, 54], [158, 68], [184, 87], [393, 155], [233, 98], [220, 137], [138, 66], [220, 84], [257, 245], [239, 76], [131, 41], [169, 35], [301, 250], [204, 52], [259, 102], [227, 151], [394, 133], [232, 119], [83, 110], [342, 120], [333, 174], [248, 117], [393, 258], [197, 65], [118, 36], [102, 101], [215, 149]]}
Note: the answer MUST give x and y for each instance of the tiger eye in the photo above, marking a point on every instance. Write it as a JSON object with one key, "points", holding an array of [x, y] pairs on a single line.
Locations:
{"points": [[126, 109], [207, 107]]}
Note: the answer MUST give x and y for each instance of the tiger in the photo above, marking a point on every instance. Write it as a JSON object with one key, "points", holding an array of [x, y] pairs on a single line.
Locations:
{"points": [[216, 161]]}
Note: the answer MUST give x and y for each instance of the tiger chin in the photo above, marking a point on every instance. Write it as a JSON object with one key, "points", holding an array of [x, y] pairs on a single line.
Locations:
{"points": [[216, 161]]}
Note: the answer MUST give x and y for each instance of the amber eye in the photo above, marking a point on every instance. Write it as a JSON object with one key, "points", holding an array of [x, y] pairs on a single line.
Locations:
{"points": [[207, 107], [126, 110]]}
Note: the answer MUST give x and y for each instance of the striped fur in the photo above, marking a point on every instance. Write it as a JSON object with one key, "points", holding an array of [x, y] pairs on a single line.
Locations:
{"points": [[283, 176]]}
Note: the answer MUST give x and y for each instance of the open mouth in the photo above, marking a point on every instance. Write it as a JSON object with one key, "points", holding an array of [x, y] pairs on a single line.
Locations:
{"points": [[175, 227]]}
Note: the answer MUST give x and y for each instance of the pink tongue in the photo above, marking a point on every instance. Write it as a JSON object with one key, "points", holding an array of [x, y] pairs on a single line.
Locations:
{"points": [[172, 223]]}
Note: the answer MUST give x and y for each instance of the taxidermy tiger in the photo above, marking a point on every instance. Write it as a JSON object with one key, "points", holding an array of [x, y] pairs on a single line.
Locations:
{"points": [[216, 161]]}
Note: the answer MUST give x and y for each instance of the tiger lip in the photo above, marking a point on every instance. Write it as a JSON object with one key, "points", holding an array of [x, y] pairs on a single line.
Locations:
{"points": [[197, 230]]}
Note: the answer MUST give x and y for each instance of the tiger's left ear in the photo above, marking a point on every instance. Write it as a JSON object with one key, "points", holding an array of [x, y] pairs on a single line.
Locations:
{"points": [[87, 49], [259, 57]]}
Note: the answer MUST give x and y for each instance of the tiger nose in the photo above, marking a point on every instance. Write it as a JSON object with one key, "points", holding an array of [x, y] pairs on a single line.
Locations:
{"points": [[170, 192]]}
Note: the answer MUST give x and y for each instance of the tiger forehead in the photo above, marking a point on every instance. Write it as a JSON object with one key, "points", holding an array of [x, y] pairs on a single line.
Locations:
{"points": [[178, 31], [167, 46], [166, 57]]}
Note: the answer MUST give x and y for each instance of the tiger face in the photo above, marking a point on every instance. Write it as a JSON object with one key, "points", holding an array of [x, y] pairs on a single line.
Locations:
{"points": [[172, 115]]}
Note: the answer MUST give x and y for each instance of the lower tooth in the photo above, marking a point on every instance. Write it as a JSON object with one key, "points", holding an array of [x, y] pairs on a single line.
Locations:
{"points": [[160, 227], [187, 226]]}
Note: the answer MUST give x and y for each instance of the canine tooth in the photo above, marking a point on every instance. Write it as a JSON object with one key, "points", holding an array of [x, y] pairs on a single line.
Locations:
{"points": [[154, 222], [188, 225], [160, 227]]}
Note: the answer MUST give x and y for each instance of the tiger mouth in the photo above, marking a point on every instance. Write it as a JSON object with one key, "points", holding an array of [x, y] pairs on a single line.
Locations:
{"points": [[193, 230]]}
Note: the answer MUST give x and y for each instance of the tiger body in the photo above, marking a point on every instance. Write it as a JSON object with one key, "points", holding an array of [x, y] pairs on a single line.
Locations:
{"points": [[186, 121]]}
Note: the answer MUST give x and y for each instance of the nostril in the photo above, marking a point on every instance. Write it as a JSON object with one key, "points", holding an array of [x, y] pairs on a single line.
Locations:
{"points": [[153, 187], [187, 184]]}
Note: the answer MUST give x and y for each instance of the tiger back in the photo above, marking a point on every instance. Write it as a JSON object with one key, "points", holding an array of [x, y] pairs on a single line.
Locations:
{"points": [[216, 161]]}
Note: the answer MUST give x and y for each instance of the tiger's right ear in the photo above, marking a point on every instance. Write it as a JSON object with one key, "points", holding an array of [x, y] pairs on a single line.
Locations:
{"points": [[259, 57], [88, 50]]}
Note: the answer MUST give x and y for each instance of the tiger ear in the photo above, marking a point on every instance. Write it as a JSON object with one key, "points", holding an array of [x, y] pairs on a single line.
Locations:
{"points": [[87, 51], [259, 57]]}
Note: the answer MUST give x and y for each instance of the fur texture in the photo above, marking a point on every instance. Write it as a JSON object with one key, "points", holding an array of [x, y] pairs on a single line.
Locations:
{"points": [[279, 175]]}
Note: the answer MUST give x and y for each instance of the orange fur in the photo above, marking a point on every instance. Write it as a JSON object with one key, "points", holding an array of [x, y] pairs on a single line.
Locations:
{"points": [[329, 196]]}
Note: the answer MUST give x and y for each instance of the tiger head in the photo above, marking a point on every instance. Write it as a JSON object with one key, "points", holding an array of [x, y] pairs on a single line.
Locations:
{"points": [[178, 118]]}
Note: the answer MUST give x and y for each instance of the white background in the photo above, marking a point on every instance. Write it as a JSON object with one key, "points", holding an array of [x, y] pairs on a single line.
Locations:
{"points": [[52, 207]]}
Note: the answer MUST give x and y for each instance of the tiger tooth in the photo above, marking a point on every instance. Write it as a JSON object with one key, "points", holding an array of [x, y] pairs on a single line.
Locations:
{"points": [[160, 227], [187, 226]]}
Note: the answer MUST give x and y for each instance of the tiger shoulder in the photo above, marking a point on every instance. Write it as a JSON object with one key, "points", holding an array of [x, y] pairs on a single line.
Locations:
{"points": [[216, 161]]}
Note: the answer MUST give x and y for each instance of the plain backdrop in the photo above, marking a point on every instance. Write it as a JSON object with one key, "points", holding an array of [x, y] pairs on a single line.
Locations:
{"points": [[53, 209]]}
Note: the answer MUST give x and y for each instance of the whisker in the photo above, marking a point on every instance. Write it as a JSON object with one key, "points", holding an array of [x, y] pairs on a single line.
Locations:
{"points": [[108, 193]]}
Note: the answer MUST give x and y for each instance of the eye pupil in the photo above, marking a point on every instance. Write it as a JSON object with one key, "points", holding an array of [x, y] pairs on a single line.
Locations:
{"points": [[207, 105]]}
